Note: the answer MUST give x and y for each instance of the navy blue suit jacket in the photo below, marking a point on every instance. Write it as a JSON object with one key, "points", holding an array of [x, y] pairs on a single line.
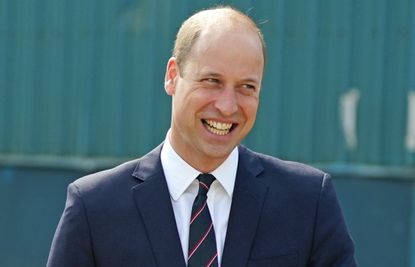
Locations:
{"points": [[283, 214]]}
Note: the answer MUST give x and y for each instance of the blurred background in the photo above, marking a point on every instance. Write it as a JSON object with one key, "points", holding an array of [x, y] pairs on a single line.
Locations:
{"points": [[81, 89]]}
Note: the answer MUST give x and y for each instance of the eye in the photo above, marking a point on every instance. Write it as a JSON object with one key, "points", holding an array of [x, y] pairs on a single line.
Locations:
{"points": [[212, 80], [249, 87]]}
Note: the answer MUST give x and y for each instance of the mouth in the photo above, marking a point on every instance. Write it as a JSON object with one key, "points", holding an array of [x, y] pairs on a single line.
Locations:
{"points": [[218, 128]]}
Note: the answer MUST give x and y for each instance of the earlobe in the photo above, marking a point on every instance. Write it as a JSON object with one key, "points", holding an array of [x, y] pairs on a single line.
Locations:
{"points": [[170, 77]]}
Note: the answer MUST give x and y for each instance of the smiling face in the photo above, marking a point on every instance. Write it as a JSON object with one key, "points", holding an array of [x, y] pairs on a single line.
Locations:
{"points": [[215, 94]]}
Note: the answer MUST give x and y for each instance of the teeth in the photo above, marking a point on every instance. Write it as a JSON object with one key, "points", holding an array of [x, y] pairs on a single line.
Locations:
{"points": [[218, 128], [219, 125]]}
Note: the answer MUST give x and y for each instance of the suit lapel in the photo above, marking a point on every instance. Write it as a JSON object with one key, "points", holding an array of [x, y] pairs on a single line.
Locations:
{"points": [[153, 202], [248, 197]]}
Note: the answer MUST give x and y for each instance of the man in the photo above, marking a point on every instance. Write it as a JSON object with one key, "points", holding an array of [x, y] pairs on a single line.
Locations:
{"points": [[152, 211]]}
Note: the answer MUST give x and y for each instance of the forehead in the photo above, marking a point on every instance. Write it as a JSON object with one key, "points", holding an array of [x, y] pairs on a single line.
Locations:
{"points": [[228, 47]]}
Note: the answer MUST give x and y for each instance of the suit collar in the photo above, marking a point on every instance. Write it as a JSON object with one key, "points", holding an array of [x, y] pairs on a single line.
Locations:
{"points": [[152, 199], [152, 195], [149, 165], [179, 174], [247, 202]]}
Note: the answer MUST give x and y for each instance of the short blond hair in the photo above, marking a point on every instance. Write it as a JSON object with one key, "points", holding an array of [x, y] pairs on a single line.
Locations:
{"points": [[191, 29]]}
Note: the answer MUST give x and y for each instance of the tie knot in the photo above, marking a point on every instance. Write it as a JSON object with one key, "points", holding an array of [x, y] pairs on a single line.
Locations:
{"points": [[205, 180]]}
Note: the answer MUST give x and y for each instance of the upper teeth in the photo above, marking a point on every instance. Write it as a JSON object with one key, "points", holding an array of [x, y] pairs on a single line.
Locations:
{"points": [[219, 125]]}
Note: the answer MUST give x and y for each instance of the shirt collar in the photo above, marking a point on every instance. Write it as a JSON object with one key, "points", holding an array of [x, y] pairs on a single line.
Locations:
{"points": [[179, 174]]}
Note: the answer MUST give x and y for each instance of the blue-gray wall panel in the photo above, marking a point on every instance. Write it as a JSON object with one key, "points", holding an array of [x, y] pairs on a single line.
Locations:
{"points": [[81, 80], [85, 78], [379, 216], [32, 200]]}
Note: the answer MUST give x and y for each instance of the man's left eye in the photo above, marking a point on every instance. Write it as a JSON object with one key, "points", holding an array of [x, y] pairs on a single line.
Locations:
{"points": [[248, 86]]}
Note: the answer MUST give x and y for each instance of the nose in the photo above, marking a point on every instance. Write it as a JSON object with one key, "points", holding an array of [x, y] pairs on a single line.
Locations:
{"points": [[227, 102]]}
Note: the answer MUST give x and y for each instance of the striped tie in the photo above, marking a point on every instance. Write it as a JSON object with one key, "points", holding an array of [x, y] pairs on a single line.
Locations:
{"points": [[202, 242]]}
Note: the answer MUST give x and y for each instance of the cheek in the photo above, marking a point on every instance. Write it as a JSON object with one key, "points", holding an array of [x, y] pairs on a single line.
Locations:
{"points": [[249, 106], [200, 99], [181, 98]]}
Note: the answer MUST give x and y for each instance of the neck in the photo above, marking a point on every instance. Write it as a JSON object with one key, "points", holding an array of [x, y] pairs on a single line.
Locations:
{"points": [[203, 164]]}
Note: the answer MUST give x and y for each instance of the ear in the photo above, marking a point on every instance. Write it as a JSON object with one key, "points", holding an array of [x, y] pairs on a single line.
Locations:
{"points": [[171, 74]]}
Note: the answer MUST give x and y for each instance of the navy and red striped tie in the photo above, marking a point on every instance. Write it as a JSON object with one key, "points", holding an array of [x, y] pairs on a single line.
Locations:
{"points": [[202, 242]]}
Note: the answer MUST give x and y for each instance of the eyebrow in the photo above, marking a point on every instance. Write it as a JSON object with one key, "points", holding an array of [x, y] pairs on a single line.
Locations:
{"points": [[211, 74], [251, 80], [217, 75]]}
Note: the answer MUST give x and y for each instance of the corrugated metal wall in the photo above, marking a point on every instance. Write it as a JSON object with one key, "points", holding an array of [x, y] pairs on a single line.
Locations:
{"points": [[81, 87], [82, 77], [85, 78]]}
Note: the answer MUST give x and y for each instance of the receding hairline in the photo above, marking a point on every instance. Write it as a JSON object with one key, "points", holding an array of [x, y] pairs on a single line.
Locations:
{"points": [[223, 16]]}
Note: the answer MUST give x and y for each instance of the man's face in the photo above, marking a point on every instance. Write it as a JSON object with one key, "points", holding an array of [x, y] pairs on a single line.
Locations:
{"points": [[215, 95]]}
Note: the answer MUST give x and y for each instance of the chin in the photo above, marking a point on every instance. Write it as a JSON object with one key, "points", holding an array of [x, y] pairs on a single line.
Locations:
{"points": [[218, 152]]}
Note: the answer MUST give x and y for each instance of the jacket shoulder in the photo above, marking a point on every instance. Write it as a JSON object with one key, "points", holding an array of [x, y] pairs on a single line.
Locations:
{"points": [[109, 179], [281, 167], [120, 178]]}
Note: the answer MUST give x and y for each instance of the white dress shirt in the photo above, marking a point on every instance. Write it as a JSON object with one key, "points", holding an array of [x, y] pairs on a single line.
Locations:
{"points": [[183, 188]]}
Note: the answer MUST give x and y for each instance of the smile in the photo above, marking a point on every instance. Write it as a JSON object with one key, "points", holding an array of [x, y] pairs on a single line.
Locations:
{"points": [[218, 128]]}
